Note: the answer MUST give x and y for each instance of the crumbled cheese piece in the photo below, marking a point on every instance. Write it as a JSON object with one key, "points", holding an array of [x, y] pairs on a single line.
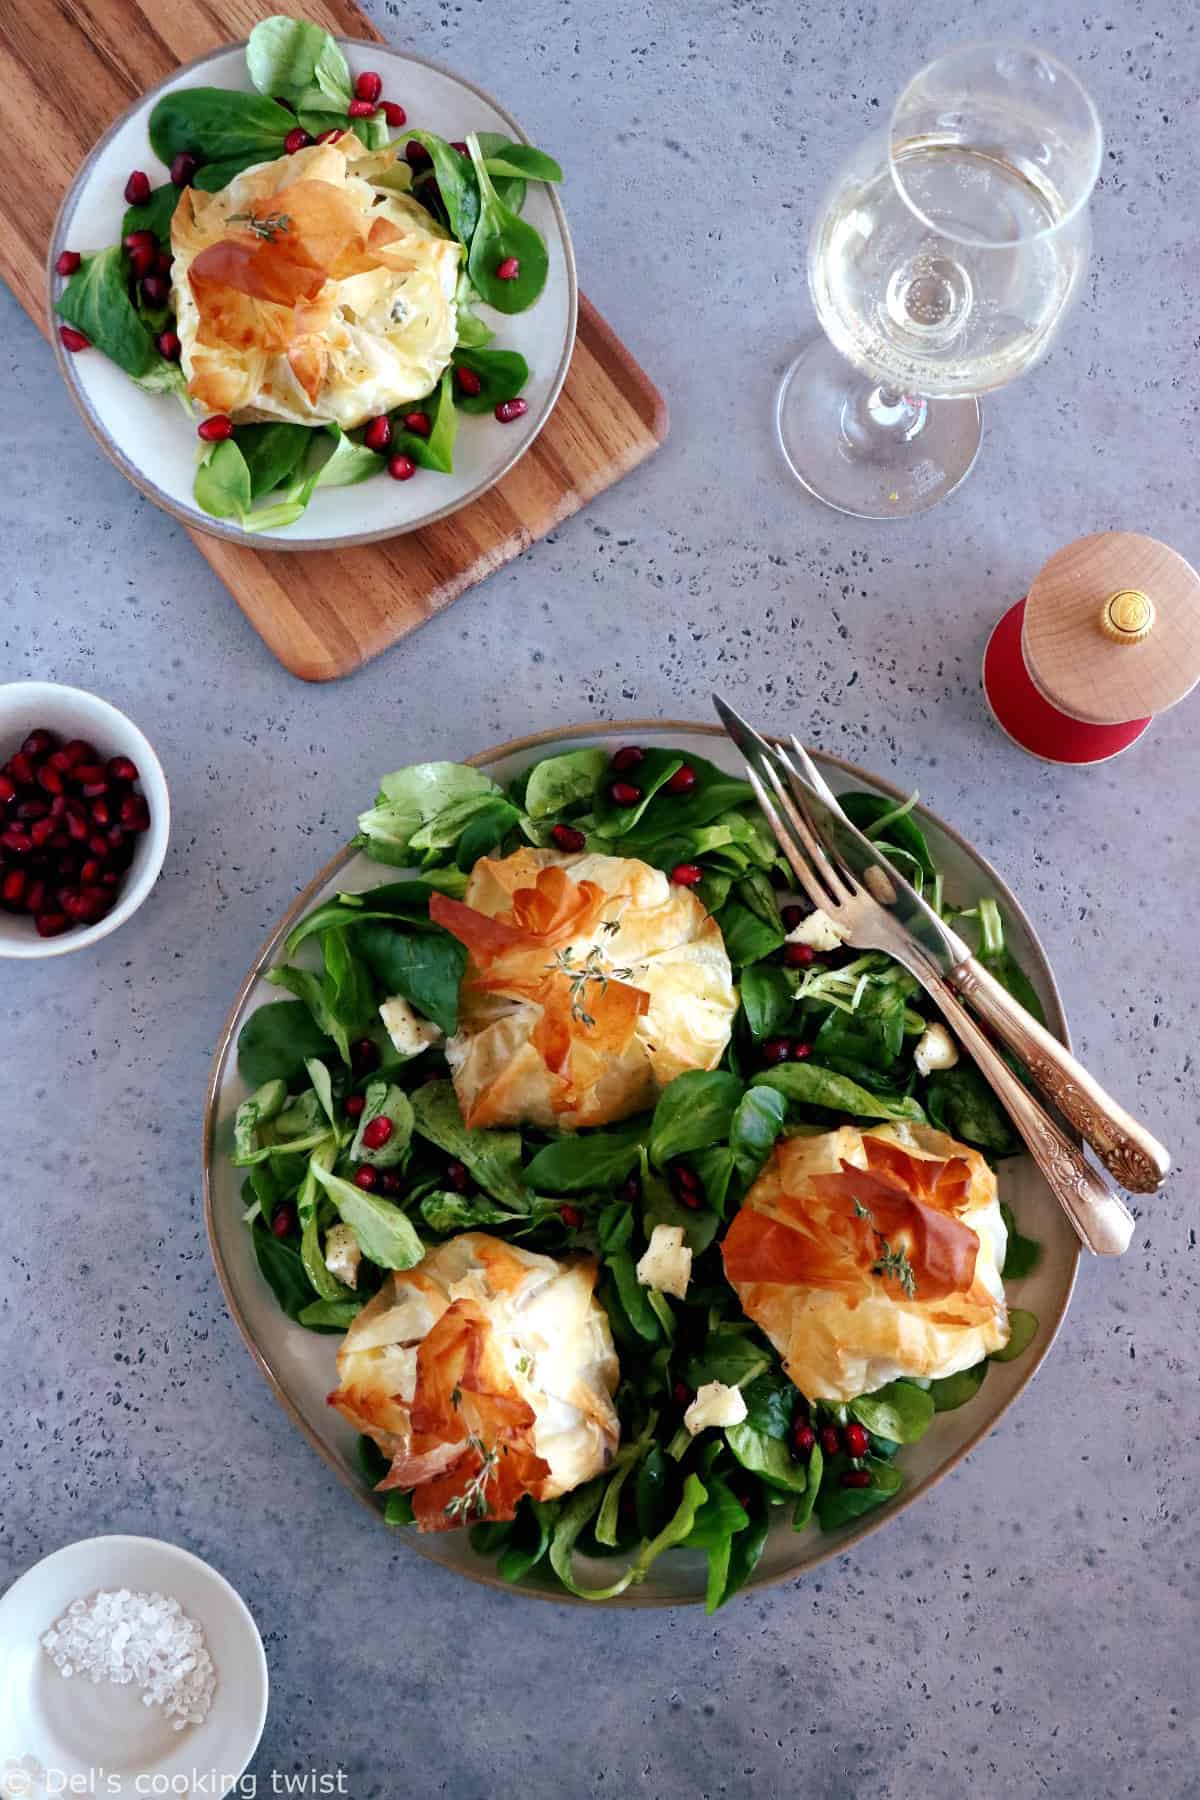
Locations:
{"points": [[936, 1049], [409, 1034], [667, 1264], [715, 1404], [342, 1254], [818, 931]]}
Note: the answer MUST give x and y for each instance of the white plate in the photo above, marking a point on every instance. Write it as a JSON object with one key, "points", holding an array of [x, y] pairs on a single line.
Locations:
{"points": [[55, 1731], [147, 436], [299, 1365]]}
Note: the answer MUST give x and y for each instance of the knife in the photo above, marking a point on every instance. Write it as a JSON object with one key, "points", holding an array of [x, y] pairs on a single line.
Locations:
{"points": [[1126, 1148]]}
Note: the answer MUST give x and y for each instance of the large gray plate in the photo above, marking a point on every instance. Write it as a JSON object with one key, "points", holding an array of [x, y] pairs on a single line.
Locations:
{"points": [[300, 1365]]}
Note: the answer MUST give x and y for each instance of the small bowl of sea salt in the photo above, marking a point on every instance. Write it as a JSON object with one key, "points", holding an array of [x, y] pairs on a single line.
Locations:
{"points": [[132, 1666]]}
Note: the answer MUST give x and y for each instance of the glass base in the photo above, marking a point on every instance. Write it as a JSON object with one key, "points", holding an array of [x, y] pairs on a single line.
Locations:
{"points": [[865, 451]]}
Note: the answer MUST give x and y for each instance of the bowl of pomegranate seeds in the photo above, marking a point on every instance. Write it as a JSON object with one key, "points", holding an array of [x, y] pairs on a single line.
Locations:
{"points": [[84, 818]]}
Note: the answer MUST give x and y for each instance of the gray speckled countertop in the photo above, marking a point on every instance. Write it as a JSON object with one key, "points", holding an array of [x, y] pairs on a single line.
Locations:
{"points": [[1028, 1629]]}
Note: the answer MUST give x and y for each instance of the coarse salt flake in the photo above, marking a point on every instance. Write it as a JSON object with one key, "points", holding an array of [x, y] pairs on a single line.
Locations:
{"points": [[122, 1637]]}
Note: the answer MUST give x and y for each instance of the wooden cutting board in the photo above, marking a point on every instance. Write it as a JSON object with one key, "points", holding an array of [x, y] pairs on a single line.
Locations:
{"points": [[68, 68]]}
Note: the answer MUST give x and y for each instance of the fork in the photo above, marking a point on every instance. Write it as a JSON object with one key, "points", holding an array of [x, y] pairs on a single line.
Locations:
{"points": [[1099, 1217], [1125, 1147]]}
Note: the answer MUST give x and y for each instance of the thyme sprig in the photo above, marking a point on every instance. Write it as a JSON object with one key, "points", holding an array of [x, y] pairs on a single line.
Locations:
{"points": [[472, 1502], [267, 227], [892, 1264], [579, 974]]}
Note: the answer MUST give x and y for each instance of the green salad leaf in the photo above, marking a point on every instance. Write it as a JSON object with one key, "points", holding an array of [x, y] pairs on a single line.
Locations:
{"points": [[414, 797], [276, 1041], [424, 967], [287, 57], [501, 236], [502, 375], [898, 1411], [219, 125], [696, 1110], [384, 1234], [807, 1084], [493, 1157], [575, 1165], [96, 301]]}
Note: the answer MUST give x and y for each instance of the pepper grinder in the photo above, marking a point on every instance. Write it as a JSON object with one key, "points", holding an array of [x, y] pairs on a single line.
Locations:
{"points": [[1107, 637]]}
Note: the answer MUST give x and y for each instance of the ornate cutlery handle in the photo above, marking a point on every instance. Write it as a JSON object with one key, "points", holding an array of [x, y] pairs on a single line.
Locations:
{"points": [[1127, 1150], [1101, 1219]]}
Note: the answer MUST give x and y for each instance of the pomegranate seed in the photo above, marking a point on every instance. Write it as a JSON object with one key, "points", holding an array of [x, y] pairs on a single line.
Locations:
{"points": [[327, 137], [156, 290], [97, 844], [571, 1216], [16, 840], [183, 168], [76, 752], [58, 806], [121, 769], [40, 742], [136, 240], [804, 1440], [164, 262], [508, 410], [687, 874], [37, 809], [623, 793], [297, 139], [682, 781], [628, 758], [856, 1478], [369, 86], [458, 1175], [216, 429], [630, 1190], [418, 423], [101, 812], [73, 340], [8, 790], [857, 1441], [688, 1190], [798, 956], [831, 1443], [354, 1106], [72, 903], [21, 768], [681, 1393], [509, 269], [283, 1220], [363, 1056], [137, 188], [776, 1050], [401, 468], [361, 109], [110, 878], [51, 924], [793, 917], [68, 262], [365, 1177], [135, 814], [12, 887], [391, 1181], [565, 837], [169, 345], [378, 434], [35, 896], [96, 902], [142, 260], [801, 1051], [459, 145], [42, 830], [376, 1134], [89, 772], [416, 155], [468, 381], [90, 870], [395, 114]]}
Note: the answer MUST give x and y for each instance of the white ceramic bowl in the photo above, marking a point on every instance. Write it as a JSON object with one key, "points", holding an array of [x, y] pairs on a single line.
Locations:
{"points": [[147, 435], [56, 1733], [71, 712]]}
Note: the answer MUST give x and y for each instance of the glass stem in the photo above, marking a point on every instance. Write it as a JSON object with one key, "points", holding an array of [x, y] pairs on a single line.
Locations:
{"points": [[887, 409]]}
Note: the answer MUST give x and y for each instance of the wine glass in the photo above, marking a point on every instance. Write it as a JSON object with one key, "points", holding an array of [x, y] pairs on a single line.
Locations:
{"points": [[944, 257]]}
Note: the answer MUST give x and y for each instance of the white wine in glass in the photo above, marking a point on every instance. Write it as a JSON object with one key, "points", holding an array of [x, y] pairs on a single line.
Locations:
{"points": [[943, 260]]}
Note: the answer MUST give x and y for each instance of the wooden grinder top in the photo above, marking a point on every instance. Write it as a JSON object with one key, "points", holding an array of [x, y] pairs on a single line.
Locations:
{"points": [[1112, 628]]}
